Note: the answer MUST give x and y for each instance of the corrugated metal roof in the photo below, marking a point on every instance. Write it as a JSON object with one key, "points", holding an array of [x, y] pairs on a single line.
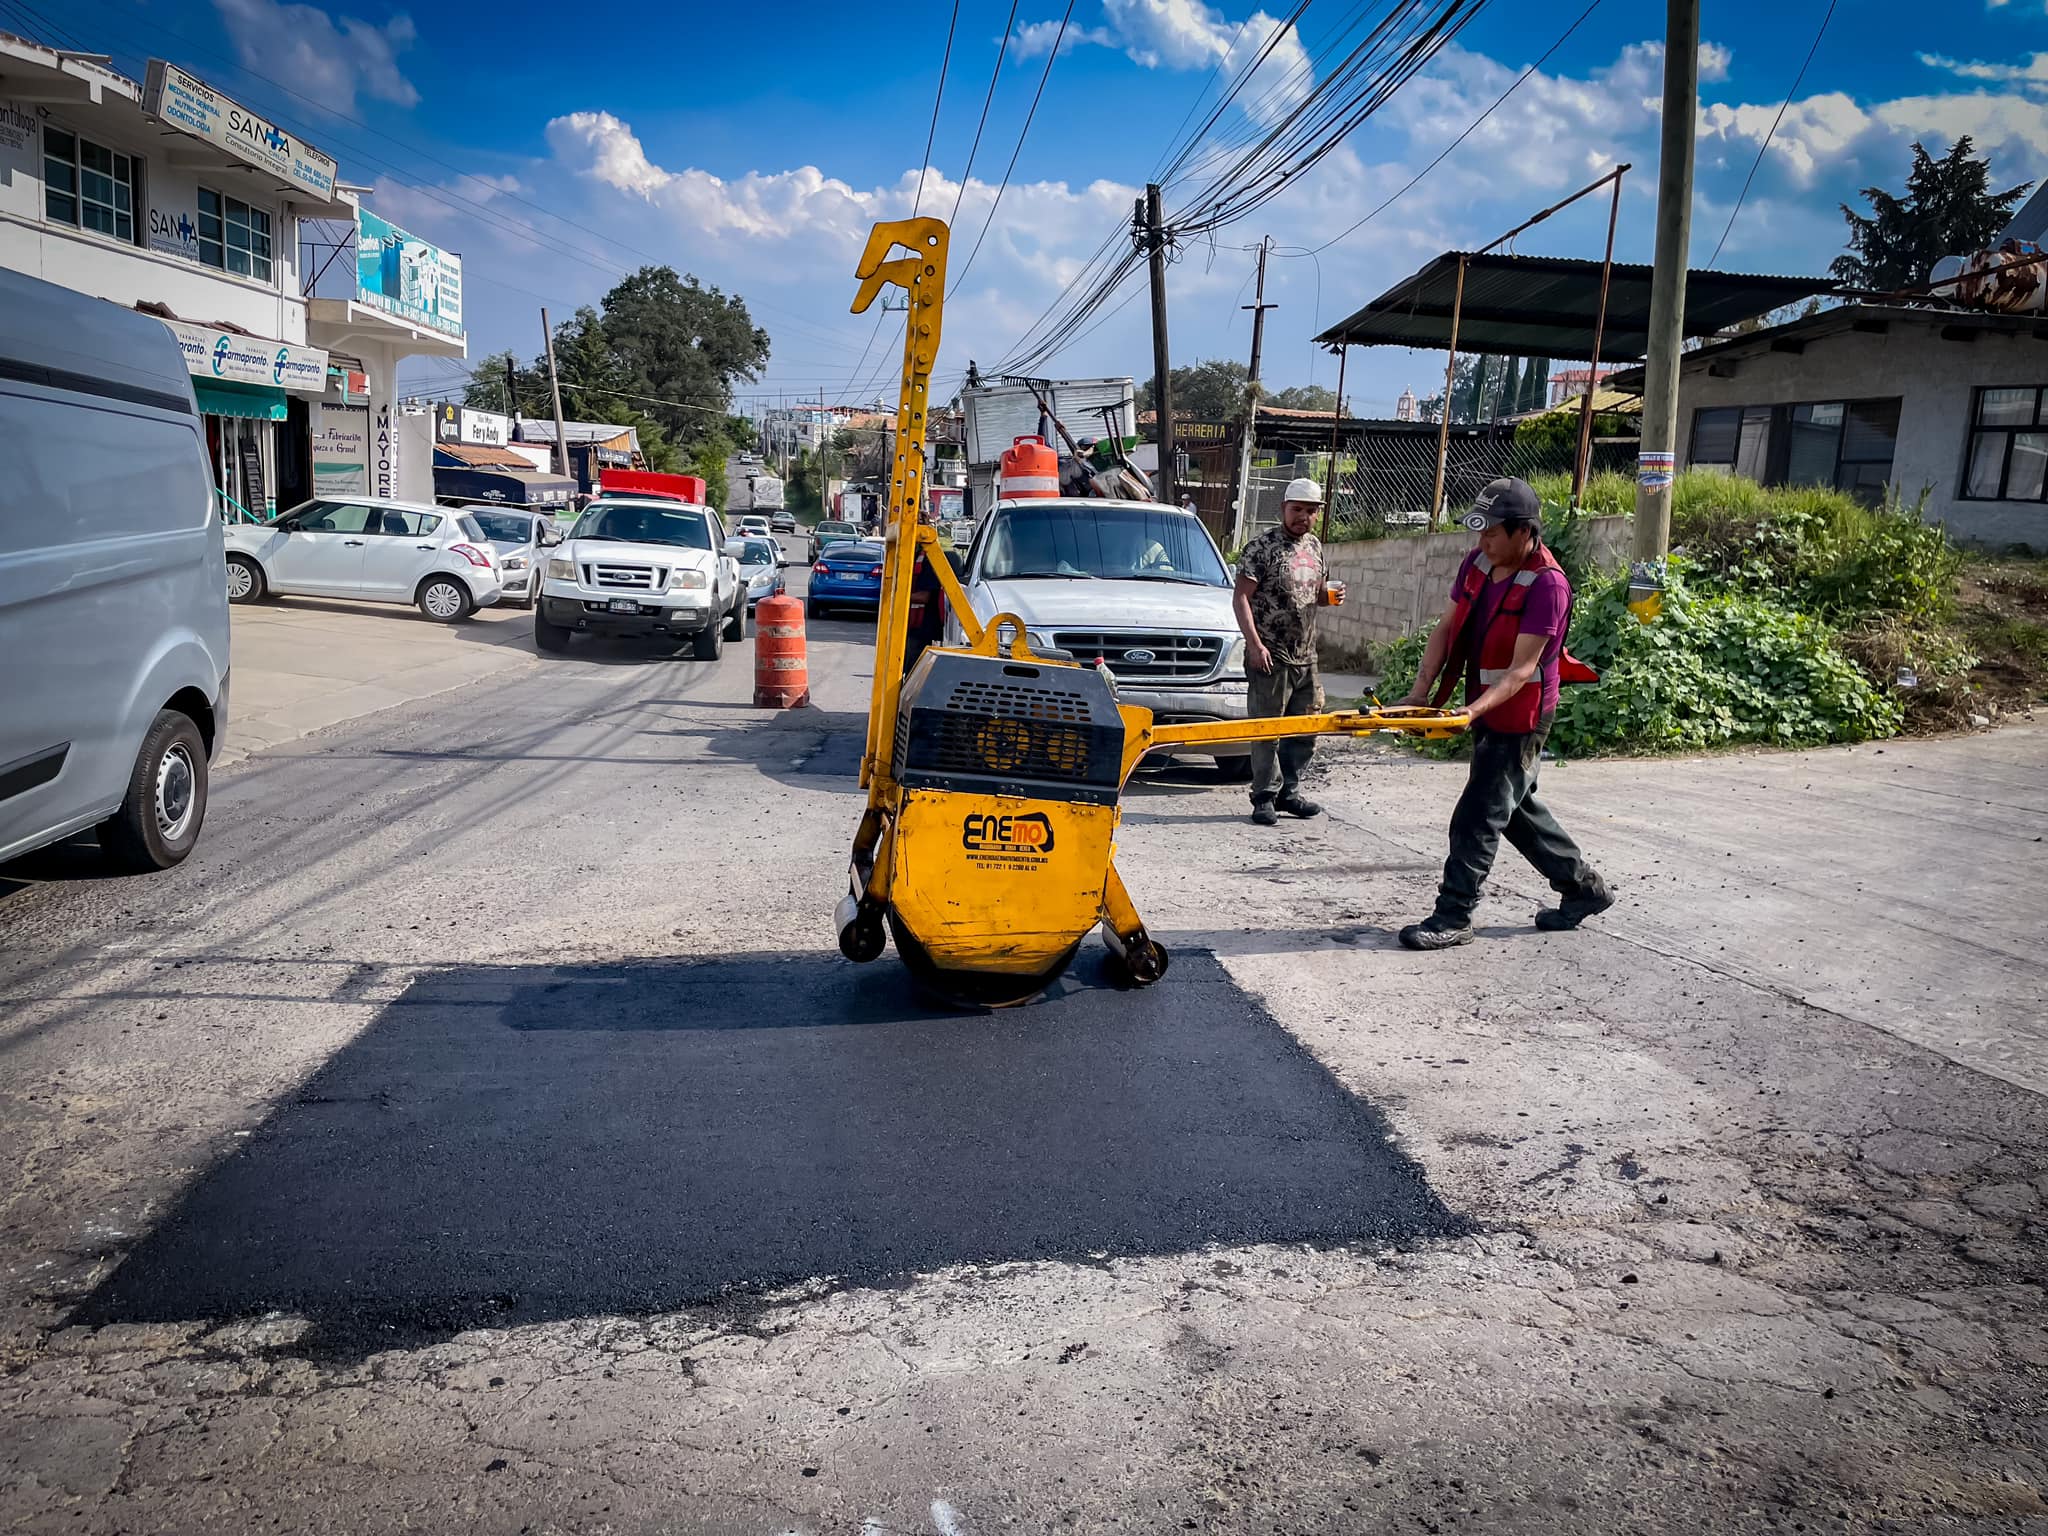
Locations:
{"points": [[1544, 306], [483, 456]]}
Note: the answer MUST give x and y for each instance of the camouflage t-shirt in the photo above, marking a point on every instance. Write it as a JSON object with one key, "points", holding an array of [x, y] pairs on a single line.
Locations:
{"points": [[1289, 576]]}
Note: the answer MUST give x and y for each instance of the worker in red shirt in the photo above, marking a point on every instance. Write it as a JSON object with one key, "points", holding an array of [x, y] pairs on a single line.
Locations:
{"points": [[1504, 631]]}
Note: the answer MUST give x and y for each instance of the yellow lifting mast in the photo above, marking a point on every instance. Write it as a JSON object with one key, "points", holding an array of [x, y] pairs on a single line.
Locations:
{"points": [[995, 776]]}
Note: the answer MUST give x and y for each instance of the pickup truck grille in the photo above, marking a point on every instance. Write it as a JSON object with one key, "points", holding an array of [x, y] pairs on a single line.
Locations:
{"points": [[624, 578], [1174, 658]]}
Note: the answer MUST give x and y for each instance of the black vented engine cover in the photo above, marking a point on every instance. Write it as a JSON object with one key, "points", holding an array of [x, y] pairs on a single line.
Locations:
{"points": [[993, 726]]}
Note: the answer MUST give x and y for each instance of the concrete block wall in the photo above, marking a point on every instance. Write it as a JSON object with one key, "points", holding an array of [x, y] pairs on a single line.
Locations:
{"points": [[1395, 586]]}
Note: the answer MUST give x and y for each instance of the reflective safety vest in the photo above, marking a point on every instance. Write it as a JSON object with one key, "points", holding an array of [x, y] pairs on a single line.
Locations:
{"points": [[1487, 658]]}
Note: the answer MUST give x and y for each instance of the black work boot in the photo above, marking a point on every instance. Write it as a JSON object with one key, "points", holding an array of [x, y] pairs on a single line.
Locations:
{"points": [[1435, 932], [1292, 803], [1263, 814], [1589, 901]]}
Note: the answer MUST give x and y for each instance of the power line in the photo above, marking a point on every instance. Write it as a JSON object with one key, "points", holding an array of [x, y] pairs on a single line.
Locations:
{"points": [[1827, 17], [931, 135], [1470, 129], [994, 75]]}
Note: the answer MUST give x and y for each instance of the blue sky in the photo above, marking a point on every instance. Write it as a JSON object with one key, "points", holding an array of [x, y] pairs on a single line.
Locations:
{"points": [[555, 147]]}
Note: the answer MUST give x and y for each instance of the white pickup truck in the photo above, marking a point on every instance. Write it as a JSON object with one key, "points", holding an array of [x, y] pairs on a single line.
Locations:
{"points": [[652, 567], [1135, 585]]}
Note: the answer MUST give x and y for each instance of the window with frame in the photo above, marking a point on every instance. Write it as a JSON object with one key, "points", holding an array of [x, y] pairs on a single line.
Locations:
{"points": [[233, 236], [88, 185], [2007, 458], [1847, 444]]}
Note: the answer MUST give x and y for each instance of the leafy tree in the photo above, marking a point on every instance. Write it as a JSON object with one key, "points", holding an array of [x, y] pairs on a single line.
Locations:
{"points": [[741, 432], [486, 388], [681, 344], [1948, 209], [1306, 397], [1535, 386], [1431, 406], [707, 458], [1209, 391], [1510, 399]]}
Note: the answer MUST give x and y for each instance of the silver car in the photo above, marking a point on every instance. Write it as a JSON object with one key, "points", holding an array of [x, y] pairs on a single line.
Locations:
{"points": [[760, 566], [519, 536], [360, 547]]}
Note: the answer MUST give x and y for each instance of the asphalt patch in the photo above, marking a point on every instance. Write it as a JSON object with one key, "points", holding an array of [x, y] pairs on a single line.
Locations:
{"points": [[513, 1144]]}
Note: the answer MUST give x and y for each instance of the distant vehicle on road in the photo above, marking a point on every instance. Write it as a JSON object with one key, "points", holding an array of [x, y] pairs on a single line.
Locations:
{"points": [[782, 522], [760, 566], [637, 568], [829, 532], [848, 574], [113, 621], [522, 540], [753, 527], [436, 558]]}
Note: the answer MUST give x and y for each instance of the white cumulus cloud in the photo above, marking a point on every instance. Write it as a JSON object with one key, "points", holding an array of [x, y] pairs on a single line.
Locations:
{"points": [[329, 60], [2030, 75]]}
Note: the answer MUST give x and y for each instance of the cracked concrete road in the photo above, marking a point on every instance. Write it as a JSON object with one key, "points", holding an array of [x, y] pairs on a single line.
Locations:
{"points": [[408, 1160]]}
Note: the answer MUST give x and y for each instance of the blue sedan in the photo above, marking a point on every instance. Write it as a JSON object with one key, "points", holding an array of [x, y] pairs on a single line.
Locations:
{"points": [[847, 575]]}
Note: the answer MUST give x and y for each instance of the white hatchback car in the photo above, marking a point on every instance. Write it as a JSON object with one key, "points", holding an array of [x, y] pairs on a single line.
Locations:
{"points": [[384, 551]]}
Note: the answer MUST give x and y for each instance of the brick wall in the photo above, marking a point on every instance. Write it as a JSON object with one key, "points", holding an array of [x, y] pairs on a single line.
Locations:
{"points": [[1397, 585]]}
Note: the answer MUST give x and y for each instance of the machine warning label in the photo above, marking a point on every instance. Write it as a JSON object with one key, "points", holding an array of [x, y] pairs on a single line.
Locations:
{"points": [[1007, 842]]}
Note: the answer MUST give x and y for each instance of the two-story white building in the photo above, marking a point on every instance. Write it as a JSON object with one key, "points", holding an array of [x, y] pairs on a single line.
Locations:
{"points": [[170, 197]]}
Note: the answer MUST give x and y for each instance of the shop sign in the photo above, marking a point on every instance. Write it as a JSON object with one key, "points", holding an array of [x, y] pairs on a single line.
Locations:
{"points": [[189, 104], [19, 126], [239, 359], [447, 423], [384, 454], [173, 234], [487, 429], [340, 450], [404, 276]]}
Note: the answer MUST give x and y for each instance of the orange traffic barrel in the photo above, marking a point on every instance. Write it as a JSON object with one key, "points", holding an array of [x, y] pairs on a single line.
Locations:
{"points": [[782, 678], [1030, 469]]}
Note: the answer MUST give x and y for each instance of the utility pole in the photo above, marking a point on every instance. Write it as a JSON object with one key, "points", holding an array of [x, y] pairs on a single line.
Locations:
{"points": [[511, 388], [1656, 459], [547, 335], [1152, 240], [1242, 525]]}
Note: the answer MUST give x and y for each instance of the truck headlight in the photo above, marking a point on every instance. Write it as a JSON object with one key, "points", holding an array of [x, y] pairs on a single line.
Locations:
{"points": [[561, 570], [1233, 658], [1038, 640], [691, 580]]}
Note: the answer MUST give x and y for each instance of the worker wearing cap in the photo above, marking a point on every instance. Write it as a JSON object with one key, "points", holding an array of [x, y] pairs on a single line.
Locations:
{"points": [[1505, 630], [1281, 581]]}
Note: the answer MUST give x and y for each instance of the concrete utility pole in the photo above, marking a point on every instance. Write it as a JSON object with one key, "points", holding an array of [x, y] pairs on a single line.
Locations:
{"points": [[1152, 240], [1242, 525], [547, 335], [1657, 458], [511, 388]]}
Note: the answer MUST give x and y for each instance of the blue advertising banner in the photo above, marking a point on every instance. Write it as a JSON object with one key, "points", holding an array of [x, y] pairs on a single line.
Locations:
{"points": [[404, 276]]}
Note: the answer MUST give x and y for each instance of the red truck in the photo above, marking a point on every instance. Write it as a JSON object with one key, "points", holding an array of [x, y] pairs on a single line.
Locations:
{"points": [[648, 482]]}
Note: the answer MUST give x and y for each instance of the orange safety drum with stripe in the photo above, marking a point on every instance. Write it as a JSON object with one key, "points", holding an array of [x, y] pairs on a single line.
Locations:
{"points": [[782, 678], [1029, 469]]}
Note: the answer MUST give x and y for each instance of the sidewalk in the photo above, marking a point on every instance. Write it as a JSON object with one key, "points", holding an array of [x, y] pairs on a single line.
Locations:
{"points": [[301, 664]]}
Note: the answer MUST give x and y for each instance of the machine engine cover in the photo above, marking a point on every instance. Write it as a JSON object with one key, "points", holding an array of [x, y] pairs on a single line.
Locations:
{"points": [[993, 726]]}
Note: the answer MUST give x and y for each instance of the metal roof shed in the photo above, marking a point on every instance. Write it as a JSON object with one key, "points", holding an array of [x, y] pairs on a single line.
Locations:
{"points": [[1547, 306]]}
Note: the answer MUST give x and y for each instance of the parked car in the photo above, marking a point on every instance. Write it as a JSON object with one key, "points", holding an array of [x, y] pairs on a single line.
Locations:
{"points": [[1135, 585], [760, 566], [113, 618], [782, 522], [437, 558], [522, 539], [848, 574], [637, 568]]}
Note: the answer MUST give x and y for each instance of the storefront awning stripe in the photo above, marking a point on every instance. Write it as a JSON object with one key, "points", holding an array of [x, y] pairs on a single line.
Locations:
{"points": [[245, 400]]}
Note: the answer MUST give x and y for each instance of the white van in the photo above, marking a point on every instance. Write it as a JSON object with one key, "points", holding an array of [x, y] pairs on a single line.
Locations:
{"points": [[113, 586]]}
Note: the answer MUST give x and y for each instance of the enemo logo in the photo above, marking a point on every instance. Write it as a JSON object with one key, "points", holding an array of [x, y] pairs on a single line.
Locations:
{"points": [[1007, 834]]}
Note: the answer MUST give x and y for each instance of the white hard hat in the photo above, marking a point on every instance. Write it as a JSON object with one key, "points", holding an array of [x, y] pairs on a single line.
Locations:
{"points": [[1303, 489]]}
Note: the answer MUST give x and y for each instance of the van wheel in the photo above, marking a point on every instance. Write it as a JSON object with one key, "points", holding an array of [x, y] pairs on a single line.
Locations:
{"points": [[159, 819], [245, 580], [445, 600], [708, 644]]}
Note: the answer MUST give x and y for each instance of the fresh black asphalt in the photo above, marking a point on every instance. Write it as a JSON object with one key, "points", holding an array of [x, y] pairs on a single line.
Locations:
{"points": [[514, 1144]]}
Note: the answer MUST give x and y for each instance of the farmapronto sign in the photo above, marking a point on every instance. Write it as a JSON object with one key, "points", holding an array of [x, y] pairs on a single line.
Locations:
{"points": [[239, 359]]}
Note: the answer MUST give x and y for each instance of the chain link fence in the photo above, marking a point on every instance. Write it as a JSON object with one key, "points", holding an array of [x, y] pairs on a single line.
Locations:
{"points": [[1385, 477]]}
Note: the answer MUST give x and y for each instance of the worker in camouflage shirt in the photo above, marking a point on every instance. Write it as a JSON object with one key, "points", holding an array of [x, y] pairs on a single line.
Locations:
{"points": [[1281, 581]]}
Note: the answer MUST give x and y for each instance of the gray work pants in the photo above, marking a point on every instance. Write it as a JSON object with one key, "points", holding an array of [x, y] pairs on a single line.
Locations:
{"points": [[1500, 801], [1276, 766]]}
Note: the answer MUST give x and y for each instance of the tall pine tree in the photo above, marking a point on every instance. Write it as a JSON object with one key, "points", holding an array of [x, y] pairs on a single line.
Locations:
{"points": [[1949, 210]]}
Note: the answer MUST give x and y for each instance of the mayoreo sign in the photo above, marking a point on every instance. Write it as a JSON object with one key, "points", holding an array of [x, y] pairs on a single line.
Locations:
{"points": [[239, 359], [402, 275], [189, 104]]}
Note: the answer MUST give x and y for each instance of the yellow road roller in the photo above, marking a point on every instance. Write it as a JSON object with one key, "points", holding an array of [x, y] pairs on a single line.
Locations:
{"points": [[995, 776]]}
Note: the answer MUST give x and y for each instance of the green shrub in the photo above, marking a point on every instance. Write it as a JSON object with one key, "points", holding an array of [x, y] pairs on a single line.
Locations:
{"points": [[1608, 494]]}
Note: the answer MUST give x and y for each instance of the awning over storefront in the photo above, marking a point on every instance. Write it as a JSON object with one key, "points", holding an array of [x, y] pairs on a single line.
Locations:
{"points": [[255, 402], [519, 487]]}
